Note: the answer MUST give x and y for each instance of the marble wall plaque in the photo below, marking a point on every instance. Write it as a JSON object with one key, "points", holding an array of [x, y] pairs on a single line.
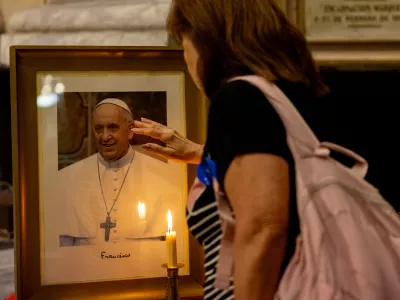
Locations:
{"points": [[351, 20]]}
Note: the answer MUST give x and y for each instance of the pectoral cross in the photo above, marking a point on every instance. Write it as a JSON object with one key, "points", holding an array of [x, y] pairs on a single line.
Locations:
{"points": [[107, 225]]}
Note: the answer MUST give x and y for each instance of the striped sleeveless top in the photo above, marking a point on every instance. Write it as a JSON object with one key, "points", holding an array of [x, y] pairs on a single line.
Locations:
{"points": [[205, 225]]}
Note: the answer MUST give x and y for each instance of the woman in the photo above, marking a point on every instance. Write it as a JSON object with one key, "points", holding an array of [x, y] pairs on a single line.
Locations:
{"points": [[246, 138]]}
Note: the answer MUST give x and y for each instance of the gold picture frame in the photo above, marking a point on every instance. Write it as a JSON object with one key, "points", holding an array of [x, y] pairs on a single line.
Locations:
{"points": [[26, 63], [356, 55]]}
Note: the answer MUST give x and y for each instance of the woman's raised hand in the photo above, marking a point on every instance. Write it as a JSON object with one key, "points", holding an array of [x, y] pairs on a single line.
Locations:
{"points": [[177, 148]]}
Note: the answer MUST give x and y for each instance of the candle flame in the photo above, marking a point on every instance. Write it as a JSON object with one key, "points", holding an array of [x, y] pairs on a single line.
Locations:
{"points": [[169, 221], [142, 210]]}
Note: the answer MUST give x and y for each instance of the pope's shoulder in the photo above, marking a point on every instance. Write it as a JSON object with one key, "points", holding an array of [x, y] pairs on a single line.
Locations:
{"points": [[79, 166], [149, 158], [89, 163]]}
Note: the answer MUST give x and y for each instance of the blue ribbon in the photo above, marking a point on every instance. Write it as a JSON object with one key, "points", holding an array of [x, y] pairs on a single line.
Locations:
{"points": [[206, 171]]}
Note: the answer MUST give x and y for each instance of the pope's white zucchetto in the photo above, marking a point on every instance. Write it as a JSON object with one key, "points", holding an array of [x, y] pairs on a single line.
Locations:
{"points": [[116, 102]]}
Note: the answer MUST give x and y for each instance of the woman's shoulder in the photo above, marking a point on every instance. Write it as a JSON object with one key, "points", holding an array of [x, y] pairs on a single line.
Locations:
{"points": [[238, 97], [237, 89], [242, 96], [242, 89]]}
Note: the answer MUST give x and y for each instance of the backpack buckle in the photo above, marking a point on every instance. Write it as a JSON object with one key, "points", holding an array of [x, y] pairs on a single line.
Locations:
{"points": [[322, 152]]}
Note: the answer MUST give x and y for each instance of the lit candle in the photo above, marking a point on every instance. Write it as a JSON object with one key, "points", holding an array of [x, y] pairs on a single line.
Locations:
{"points": [[142, 211], [171, 243]]}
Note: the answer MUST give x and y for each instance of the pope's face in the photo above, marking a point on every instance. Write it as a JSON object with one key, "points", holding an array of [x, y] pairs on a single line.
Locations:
{"points": [[112, 131]]}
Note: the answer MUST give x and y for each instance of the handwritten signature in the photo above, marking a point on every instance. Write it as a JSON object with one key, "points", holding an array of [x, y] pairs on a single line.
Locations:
{"points": [[121, 255]]}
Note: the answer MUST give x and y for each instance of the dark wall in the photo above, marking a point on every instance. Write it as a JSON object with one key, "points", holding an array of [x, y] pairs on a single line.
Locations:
{"points": [[368, 122]]}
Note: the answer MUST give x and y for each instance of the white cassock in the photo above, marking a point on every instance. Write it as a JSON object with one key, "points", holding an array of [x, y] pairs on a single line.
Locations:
{"points": [[84, 208]]}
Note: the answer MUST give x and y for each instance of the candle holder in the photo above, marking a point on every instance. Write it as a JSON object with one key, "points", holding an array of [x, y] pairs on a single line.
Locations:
{"points": [[172, 291]]}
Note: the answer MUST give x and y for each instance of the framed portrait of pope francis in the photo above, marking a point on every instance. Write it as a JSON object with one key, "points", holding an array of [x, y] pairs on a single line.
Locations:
{"points": [[92, 207]]}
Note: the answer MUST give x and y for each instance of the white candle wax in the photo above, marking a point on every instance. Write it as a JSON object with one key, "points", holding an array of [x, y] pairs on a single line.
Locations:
{"points": [[171, 243]]}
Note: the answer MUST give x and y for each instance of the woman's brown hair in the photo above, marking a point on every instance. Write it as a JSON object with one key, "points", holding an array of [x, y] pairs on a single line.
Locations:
{"points": [[236, 37]]}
